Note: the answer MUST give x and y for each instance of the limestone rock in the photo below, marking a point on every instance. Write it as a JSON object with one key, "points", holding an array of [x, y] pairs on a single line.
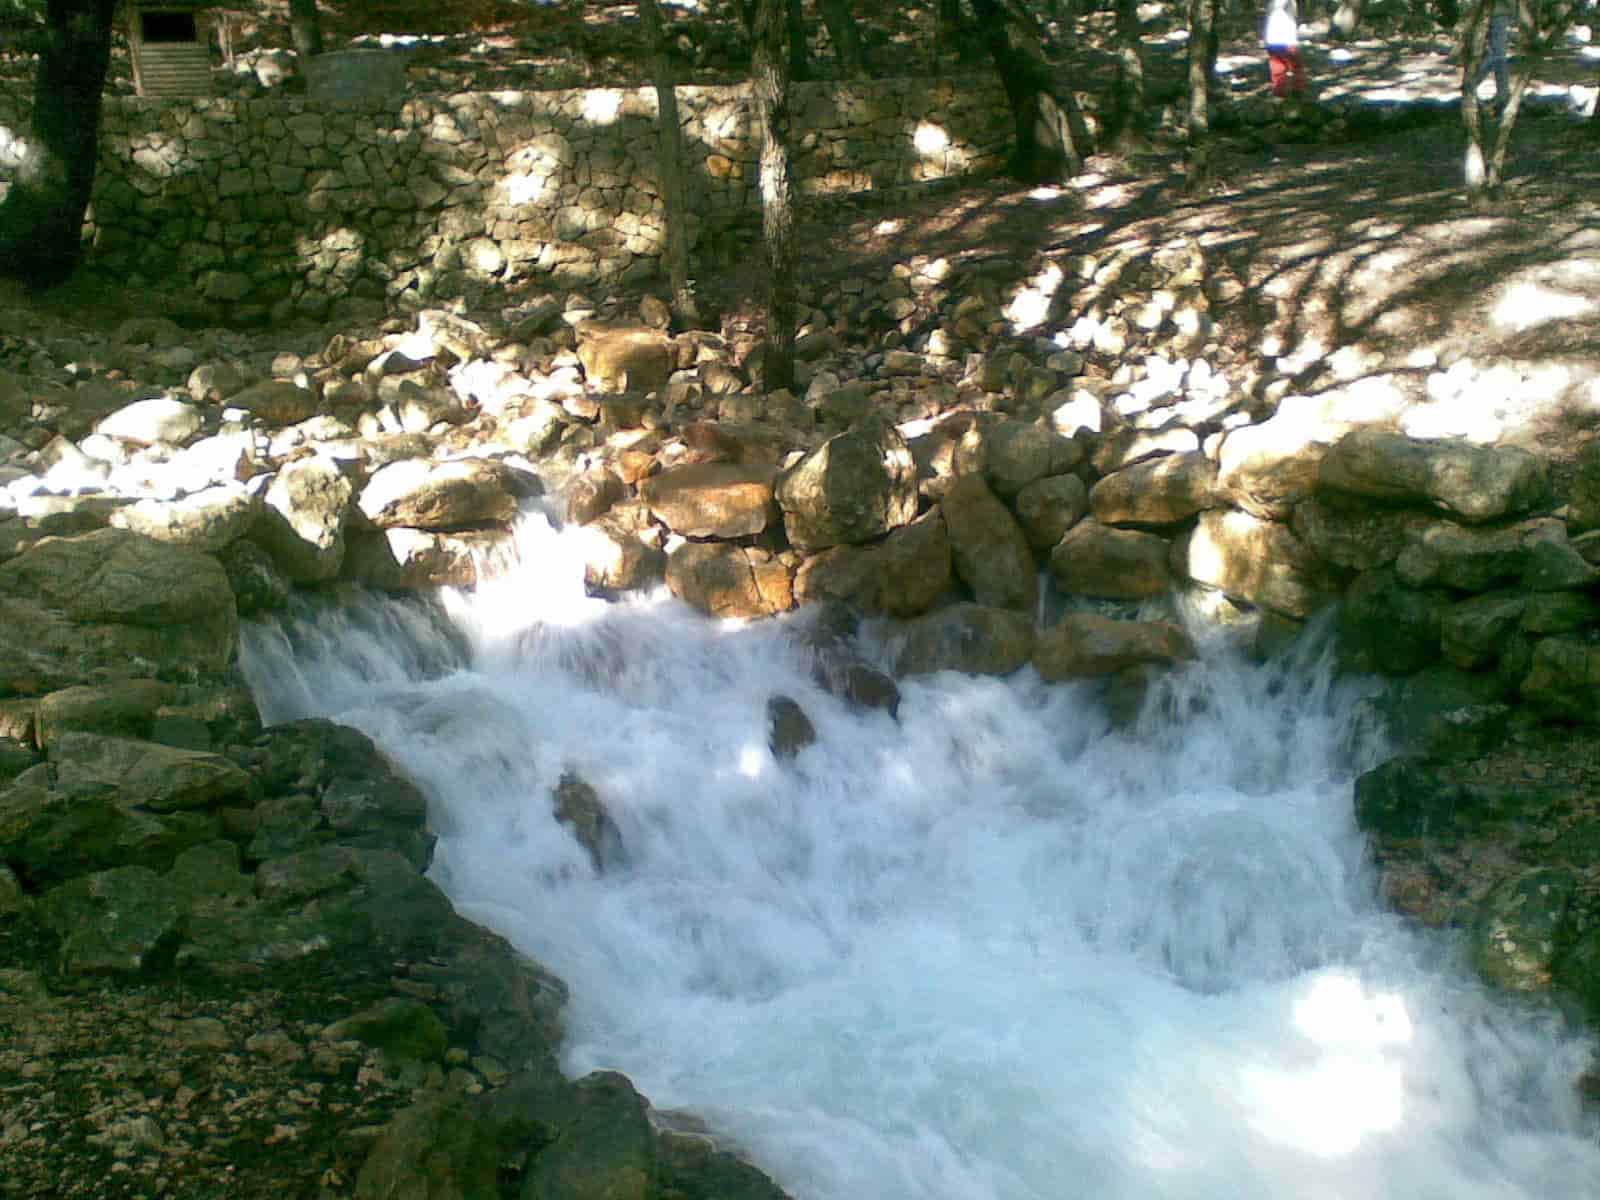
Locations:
{"points": [[854, 487], [1474, 483], [435, 1150], [148, 422], [1048, 507], [1564, 679], [400, 1028], [729, 581], [1086, 645], [1160, 491], [124, 708], [623, 358], [1114, 564], [207, 520], [276, 401], [904, 575], [969, 638], [604, 1148], [1016, 454], [307, 506], [1258, 561], [145, 775], [990, 551], [616, 559], [403, 559], [113, 921], [1354, 535], [214, 382], [1473, 560], [716, 500], [109, 596], [578, 806], [1387, 627], [1471, 632], [789, 730], [449, 495], [1521, 927]]}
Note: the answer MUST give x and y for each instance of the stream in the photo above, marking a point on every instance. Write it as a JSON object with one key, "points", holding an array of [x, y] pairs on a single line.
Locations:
{"points": [[993, 948]]}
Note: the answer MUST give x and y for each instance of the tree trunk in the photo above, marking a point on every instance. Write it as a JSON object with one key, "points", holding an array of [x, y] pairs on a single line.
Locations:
{"points": [[673, 188], [1202, 59], [844, 35], [305, 28], [1050, 130], [41, 220], [769, 71], [1125, 115]]}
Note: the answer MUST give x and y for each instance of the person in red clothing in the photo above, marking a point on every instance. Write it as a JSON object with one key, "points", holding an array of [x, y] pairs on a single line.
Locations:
{"points": [[1281, 33]]}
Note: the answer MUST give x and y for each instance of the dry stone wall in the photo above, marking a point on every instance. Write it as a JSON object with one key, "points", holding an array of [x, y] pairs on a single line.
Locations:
{"points": [[266, 208]]}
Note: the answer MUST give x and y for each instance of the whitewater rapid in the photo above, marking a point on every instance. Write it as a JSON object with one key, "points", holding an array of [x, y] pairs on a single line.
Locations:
{"points": [[991, 949]]}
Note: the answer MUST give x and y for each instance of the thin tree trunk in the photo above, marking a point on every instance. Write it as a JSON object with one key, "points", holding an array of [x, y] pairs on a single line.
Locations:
{"points": [[769, 71], [1202, 59], [41, 220], [1126, 111], [305, 28], [844, 35], [1050, 133], [673, 188]]}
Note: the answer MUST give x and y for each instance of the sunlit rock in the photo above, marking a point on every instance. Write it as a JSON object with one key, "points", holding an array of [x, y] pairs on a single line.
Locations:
{"points": [[1258, 561], [1086, 645], [1115, 564], [1160, 491], [852, 488], [1474, 483], [719, 500]]}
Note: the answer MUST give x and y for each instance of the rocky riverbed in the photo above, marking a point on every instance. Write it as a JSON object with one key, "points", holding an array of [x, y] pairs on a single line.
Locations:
{"points": [[222, 971]]}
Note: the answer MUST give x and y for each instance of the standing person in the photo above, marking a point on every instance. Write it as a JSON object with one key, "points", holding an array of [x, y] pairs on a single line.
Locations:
{"points": [[1496, 59], [1281, 33]]}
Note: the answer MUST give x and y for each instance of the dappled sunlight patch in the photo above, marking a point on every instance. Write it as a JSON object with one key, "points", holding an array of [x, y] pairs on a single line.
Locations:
{"points": [[602, 106], [1528, 303], [1031, 305], [930, 139]]}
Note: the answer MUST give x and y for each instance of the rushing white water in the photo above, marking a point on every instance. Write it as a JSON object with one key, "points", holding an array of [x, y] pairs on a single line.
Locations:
{"points": [[991, 949]]}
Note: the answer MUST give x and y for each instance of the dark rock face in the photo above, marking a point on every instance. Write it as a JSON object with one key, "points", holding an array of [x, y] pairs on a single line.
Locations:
{"points": [[579, 807], [789, 730]]}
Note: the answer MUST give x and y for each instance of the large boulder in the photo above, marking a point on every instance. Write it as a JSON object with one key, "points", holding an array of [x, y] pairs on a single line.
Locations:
{"points": [[276, 402], [1086, 645], [307, 505], [1470, 482], [209, 519], [902, 576], [146, 775], [148, 422], [854, 487], [1114, 564], [1048, 507], [604, 1146], [109, 598], [437, 1149], [1442, 553], [970, 638], [1564, 679], [1016, 454], [624, 358], [1352, 534], [1160, 491], [1260, 562], [730, 581], [990, 550], [451, 495], [114, 921], [712, 500], [122, 708]]}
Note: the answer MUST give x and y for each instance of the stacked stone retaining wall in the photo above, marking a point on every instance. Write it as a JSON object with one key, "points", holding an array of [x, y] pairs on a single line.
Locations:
{"points": [[266, 208]]}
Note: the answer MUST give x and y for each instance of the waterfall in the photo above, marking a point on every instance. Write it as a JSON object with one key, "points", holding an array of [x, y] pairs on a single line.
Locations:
{"points": [[993, 948]]}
